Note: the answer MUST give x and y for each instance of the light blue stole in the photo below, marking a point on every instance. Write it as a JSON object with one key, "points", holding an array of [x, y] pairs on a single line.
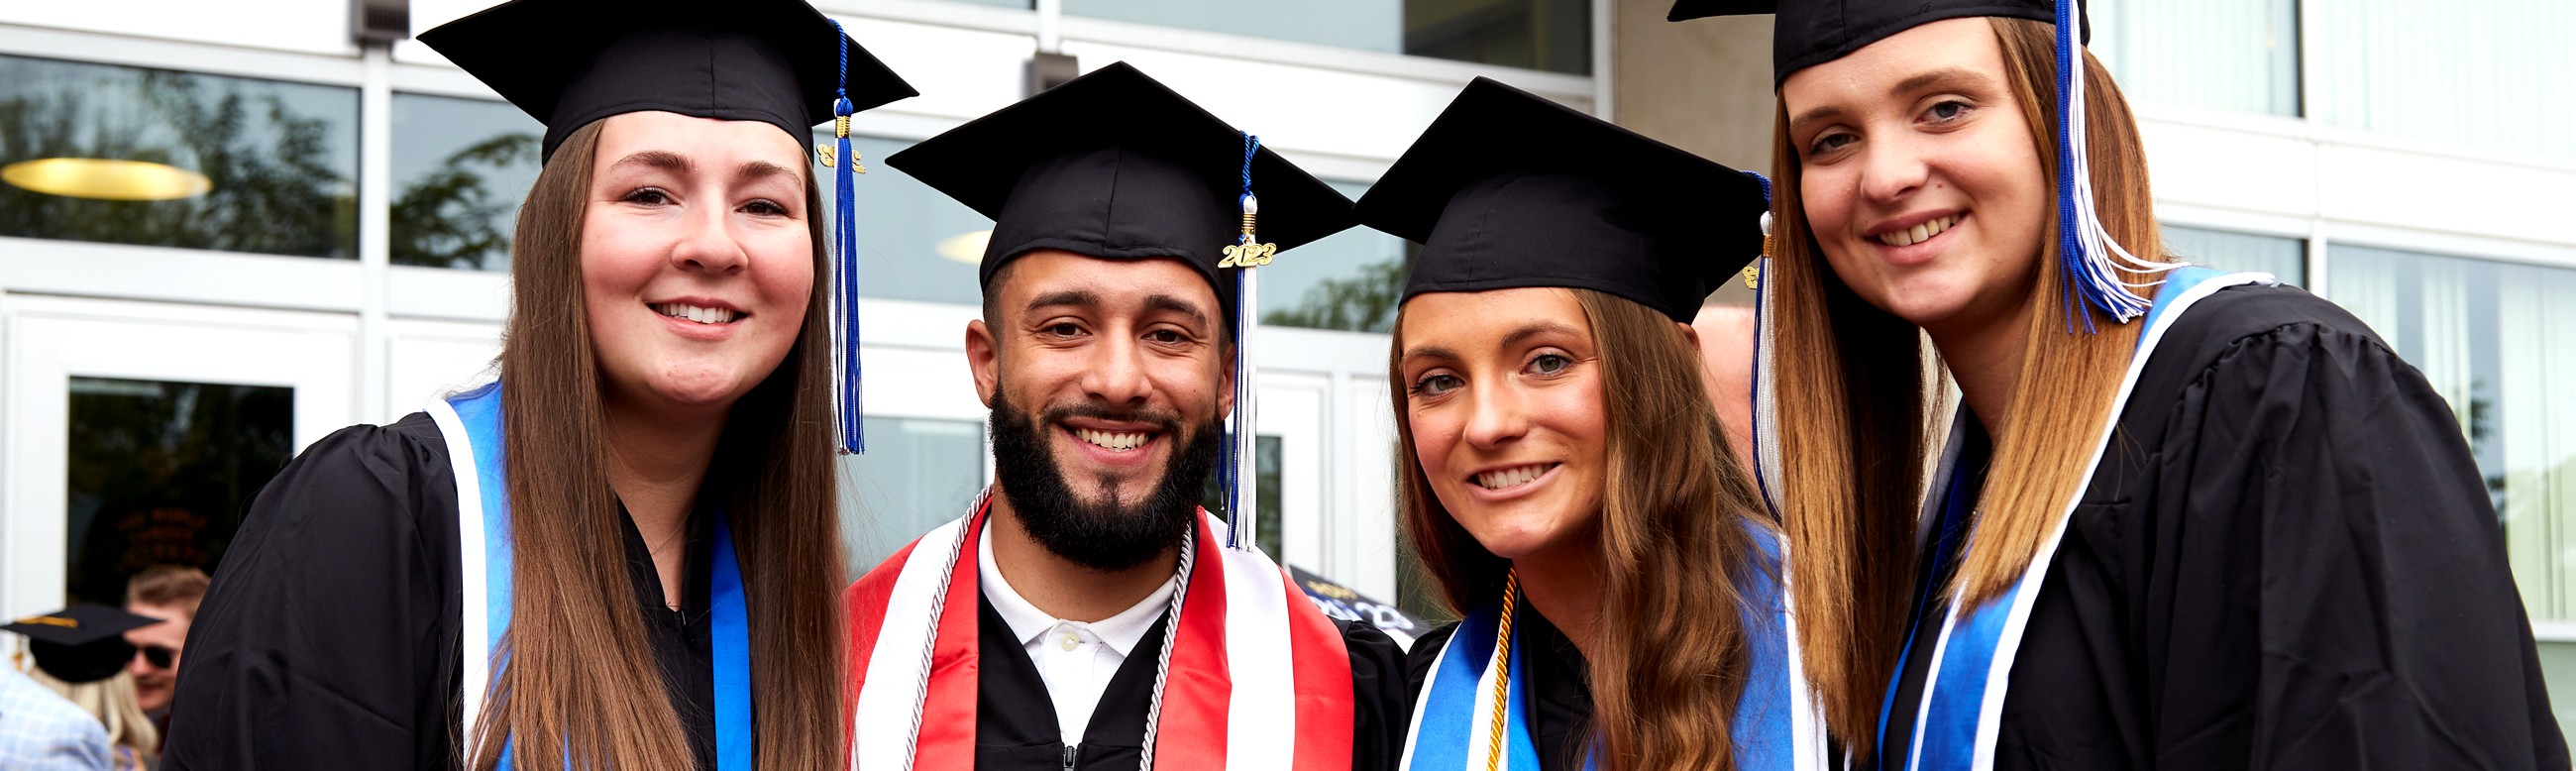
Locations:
{"points": [[1957, 722], [1452, 721], [471, 422]]}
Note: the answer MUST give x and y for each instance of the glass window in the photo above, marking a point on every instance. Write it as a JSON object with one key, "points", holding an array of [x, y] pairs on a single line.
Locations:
{"points": [[915, 243], [2495, 77], [1265, 471], [917, 475], [1349, 280], [1551, 35], [2498, 341], [160, 474], [460, 169], [2218, 54], [2285, 258], [94, 152]]}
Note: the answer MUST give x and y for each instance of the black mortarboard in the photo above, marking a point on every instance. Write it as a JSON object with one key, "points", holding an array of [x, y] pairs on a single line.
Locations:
{"points": [[1114, 165], [1811, 32], [1508, 190], [81, 643], [571, 62]]}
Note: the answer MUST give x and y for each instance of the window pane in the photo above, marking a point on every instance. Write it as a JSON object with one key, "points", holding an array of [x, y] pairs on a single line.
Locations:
{"points": [[160, 474], [917, 475], [1265, 470], [236, 164], [2498, 341], [2285, 258], [1552, 35], [1349, 280], [460, 169], [2238, 55], [2492, 75], [914, 242]]}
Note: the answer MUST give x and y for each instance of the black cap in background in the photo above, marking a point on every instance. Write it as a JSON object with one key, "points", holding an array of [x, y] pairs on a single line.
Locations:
{"points": [[81, 643], [571, 62], [1812, 32], [1509, 190], [1114, 165]]}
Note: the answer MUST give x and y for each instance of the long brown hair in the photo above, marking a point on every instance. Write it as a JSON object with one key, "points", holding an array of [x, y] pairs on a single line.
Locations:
{"points": [[1677, 551], [581, 678], [1854, 411]]}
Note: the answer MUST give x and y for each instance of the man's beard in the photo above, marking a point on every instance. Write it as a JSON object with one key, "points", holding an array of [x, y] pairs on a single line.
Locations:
{"points": [[1111, 534]]}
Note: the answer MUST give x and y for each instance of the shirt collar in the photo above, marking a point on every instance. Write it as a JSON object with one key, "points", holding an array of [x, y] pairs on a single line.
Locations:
{"points": [[1121, 632]]}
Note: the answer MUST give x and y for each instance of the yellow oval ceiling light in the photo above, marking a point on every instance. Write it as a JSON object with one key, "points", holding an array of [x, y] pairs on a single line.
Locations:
{"points": [[965, 247], [106, 179]]}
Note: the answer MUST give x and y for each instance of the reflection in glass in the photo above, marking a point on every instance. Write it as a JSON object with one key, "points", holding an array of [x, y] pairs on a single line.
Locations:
{"points": [[160, 474], [1265, 469], [917, 475], [280, 159], [2498, 341], [2234, 55], [2285, 258], [902, 224], [1551, 35], [460, 169], [1349, 280]]}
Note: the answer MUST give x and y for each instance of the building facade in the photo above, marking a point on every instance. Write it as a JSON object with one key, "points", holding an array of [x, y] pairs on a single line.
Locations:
{"points": [[330, 241]]}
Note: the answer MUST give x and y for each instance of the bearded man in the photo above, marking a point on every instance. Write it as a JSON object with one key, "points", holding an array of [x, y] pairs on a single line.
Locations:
{"points": [[1085, 613]]}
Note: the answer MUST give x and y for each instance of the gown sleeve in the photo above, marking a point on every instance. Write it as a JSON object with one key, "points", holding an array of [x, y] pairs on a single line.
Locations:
{"points": [[329, 636], [1380, 705], [2329, 479]]}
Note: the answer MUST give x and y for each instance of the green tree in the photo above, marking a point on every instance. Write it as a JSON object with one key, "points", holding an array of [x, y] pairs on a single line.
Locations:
{"points": [[451, 217]]}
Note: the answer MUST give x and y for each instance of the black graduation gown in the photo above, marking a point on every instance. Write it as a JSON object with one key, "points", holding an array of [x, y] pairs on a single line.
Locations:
{"points": [[330, 637], [1015, 722], [1561, 723], [2287, 560]]}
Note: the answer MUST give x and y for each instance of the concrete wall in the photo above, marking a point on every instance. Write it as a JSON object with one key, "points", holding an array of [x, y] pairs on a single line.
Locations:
{"points": [[1703, 85]]}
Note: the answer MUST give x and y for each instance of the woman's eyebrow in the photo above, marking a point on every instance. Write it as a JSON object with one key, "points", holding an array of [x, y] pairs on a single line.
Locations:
{"points": [[1948, 78]]}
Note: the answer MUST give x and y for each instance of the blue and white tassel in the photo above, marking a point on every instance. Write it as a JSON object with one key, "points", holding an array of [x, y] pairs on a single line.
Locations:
{"points": [[848, 404], [1240, 476], [2091, 259]]}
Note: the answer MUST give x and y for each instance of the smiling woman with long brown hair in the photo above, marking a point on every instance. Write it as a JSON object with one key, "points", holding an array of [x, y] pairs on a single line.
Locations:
{"points": [[625, 549], [1562, 471], [2183, 519]]}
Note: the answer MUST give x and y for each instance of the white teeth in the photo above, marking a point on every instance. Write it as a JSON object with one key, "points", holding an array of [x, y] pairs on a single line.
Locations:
{"points": [[695, 313], [1114, 440], [1919, 233], [1510, 477]]}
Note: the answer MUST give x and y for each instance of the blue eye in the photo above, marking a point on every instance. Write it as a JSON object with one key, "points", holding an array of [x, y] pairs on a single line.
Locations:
{"points": [[1948, 109]]}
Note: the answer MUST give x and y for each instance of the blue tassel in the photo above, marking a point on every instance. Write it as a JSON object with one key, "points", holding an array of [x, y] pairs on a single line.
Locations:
{"points": [[845, 251], [2089, 259], [1239, 442]]}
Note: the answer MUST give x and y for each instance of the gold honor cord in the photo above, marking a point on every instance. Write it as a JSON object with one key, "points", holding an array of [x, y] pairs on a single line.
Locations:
{"points": [[1494, 748]]}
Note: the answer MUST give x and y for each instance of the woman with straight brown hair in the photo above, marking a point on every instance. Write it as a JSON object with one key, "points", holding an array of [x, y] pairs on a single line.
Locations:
{"points": [[1563, 473], [2182, 520], [624, 553]]}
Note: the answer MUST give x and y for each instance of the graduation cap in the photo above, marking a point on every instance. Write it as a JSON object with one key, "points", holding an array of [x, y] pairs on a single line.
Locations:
{"points": [[570, 63], [1508, 189], [1810, 32], [81, 643], [1116, 166]]}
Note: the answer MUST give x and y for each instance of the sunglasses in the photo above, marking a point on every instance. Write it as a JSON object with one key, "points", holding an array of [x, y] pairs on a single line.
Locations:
{"points": [[159, 656]]}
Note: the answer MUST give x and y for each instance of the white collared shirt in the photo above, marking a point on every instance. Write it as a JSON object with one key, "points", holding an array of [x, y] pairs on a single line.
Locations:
{"points": [[1075, 658]]}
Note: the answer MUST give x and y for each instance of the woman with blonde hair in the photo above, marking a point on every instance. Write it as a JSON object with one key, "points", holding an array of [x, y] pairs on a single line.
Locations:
{"points": [[2183, 520], [81, 654], [1563, 473], [625, 552]]}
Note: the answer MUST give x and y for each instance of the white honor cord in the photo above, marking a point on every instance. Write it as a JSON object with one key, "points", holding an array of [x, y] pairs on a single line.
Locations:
{"points": [[1171, 633], [930, 644]]}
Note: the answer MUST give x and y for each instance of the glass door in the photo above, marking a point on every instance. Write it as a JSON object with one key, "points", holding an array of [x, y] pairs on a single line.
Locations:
{"points": [[139, 431]]}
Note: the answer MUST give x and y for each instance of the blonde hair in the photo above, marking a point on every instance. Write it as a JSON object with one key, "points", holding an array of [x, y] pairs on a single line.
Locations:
{"points": [[1854, 414], [113, 702]]}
